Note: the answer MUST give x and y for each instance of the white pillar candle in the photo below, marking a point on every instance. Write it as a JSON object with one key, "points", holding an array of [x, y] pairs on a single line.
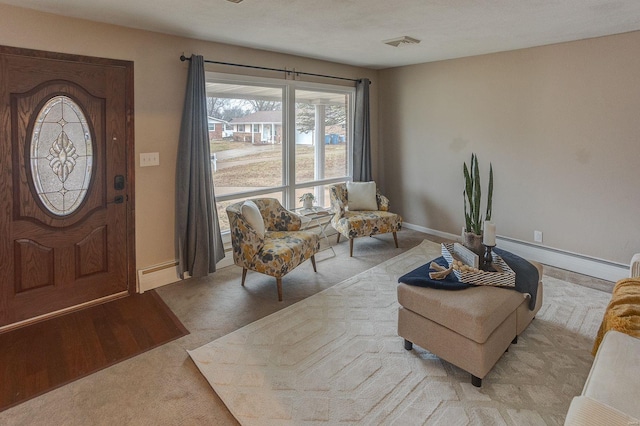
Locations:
{"points": [[489, 238]]}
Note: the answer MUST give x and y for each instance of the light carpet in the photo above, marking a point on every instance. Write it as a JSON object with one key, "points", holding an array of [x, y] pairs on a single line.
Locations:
{"points": [[336, 358]]}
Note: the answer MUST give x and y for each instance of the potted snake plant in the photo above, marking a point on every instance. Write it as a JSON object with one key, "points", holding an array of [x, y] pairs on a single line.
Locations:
{"points": [[472, 235]]}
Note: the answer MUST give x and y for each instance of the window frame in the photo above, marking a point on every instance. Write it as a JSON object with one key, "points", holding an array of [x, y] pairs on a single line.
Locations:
{"points": [[288, 185]]}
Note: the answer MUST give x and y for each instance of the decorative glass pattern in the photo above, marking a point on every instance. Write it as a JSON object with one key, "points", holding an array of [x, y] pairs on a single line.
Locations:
{"points": [[61, 155]]}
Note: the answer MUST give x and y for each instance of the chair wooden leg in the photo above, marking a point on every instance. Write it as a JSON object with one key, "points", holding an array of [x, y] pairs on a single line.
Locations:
{"points": [[313, 262], [244, 275], [351, 247], [279, 284], [395, 238], [338, 240]]}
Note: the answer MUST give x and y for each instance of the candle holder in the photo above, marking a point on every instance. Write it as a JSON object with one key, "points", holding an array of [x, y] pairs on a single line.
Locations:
{"points": [[488, 259]]}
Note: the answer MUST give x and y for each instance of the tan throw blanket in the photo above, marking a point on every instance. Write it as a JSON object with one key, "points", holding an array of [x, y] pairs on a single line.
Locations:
{"points": [[623, 311]]}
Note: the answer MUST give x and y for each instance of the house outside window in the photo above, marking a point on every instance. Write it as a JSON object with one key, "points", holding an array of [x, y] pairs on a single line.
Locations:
{"points": [[287, 138]]}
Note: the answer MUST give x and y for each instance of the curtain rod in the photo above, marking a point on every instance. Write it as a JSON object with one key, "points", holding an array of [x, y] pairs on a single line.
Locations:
{"points": [[286, 71]]}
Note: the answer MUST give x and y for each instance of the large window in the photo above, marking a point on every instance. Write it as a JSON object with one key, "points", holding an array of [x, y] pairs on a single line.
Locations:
{"points": [[284, 139]]}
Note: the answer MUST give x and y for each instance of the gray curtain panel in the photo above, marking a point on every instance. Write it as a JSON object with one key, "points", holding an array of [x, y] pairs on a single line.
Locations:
{"points": [[362, 134], [198, 240]]}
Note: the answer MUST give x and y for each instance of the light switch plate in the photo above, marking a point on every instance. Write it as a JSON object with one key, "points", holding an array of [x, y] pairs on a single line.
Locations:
{"points": [[149, 159]]}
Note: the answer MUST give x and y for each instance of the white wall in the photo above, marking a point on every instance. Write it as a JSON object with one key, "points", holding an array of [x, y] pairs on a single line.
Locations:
{"points": [[560, 123]]}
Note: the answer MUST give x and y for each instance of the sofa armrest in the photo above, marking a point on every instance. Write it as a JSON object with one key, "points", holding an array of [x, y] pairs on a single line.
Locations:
{"points": [[585, 411], [337, 204], [383, 202], [245, 240], [634, 267], [613, 378]]}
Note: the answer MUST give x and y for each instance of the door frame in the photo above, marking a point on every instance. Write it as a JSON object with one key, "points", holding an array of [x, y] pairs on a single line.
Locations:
{"points": [[130, 167]]}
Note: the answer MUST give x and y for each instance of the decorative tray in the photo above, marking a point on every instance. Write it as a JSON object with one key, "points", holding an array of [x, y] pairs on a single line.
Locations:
{"points": [[502, 277]]}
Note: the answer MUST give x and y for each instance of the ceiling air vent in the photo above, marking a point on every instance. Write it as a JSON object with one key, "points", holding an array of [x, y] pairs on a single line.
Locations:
{"points": [[397, 42]]}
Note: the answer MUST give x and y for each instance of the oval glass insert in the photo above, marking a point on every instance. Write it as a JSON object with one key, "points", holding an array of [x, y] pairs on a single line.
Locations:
{"points": [[61, 155]]}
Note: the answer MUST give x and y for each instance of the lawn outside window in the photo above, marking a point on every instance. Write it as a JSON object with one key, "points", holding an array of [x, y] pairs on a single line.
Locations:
{"points": [[281, 139]]}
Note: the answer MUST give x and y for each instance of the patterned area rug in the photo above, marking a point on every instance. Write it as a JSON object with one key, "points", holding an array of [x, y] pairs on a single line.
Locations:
{"points": [[335, 358]]}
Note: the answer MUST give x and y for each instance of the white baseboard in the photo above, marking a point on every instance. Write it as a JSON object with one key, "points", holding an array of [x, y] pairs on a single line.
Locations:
{"points": [[430, 231], [167, 273], [157, 275], [591, 266]]}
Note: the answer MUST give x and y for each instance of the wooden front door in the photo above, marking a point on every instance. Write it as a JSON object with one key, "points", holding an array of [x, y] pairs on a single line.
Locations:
{"points": [[66, 190]]}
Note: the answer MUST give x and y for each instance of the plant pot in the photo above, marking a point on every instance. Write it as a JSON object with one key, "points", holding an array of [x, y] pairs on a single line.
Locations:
{"points": [[307, 203], [473, 242]]}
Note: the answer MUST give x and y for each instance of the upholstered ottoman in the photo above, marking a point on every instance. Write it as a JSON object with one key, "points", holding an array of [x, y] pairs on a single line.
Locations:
{"points": [[470, 328]]}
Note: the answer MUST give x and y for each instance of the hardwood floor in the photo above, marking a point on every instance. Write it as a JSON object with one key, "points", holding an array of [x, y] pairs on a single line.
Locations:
{"points": [[45, 355]]}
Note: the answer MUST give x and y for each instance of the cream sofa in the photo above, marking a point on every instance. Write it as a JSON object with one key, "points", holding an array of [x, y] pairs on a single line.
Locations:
{"points": [[611, 394]]}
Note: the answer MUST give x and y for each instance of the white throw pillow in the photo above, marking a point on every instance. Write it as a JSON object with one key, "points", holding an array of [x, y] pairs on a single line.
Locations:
{"points": [[252, 215], [361, 196]]}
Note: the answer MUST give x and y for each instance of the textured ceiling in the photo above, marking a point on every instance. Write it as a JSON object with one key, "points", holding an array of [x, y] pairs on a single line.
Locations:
{"points": [[353, 31]]}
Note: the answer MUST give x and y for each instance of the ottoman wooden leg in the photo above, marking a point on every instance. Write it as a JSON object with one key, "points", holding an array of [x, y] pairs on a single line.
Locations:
{"points": [[476, 381], [408, 345]]}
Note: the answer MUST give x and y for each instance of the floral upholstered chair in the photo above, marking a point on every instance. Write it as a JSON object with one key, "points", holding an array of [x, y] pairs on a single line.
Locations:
{"points": [[362, 221], [266, 238]]}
